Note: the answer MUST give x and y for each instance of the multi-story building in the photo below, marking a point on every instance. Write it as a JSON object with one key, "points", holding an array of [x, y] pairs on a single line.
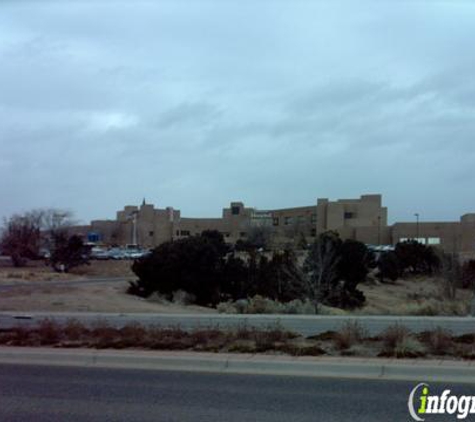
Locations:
{"points": [[363, 219]]}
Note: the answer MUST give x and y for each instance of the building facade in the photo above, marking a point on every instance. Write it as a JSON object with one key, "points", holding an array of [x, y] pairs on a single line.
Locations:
{"points": [[364, 219]]}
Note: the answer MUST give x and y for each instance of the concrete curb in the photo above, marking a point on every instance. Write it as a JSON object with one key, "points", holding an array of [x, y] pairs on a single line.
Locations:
{"points": [[386, 369]]}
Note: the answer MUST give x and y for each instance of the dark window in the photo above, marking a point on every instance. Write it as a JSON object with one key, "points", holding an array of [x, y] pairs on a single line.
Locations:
{"points": [[185, 233], [276, 221], [349, 215], [313, 218], [178, 232], [287, 220], [235, 210], [243, 234], [150, 234], [313, 232]]}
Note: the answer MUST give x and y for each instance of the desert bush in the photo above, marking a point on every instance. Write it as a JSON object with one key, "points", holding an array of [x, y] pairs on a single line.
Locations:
{"points": [[49, 332], [261, 305], [300, 307], [388, 266], [416, 258], [68, 252], [393, 335], [398, 341], [350, 334], [226, 308], [440, 341], [242, 332], [133, 334], [16, 336], [409, 347], [180, 297], [74, 330], [334, 269], [194, 264], [102, 335]]}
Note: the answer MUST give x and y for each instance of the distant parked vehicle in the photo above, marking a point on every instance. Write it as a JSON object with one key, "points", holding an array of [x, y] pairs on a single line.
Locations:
{"points": [[117, 253], [99, 253]]}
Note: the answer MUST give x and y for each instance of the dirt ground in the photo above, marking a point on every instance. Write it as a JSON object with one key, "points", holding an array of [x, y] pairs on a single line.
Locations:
{"points": [[38, 271], [91, 297], [419, 296], [97, 297]]}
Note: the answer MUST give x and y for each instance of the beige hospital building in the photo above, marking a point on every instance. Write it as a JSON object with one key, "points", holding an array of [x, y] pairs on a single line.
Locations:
{"points": [[364, 219]]}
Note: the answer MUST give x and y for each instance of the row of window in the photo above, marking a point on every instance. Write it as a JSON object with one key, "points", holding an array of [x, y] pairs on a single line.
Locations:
{"points": [[293, 220], [225, 234], [423, 240]]}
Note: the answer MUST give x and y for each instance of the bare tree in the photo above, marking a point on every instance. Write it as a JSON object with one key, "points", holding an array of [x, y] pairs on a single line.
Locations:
{"points": [[23, 235], [21, 238], [321, 266]]}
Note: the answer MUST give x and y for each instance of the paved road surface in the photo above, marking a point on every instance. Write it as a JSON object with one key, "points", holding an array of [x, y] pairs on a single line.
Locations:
{"points": [[306, 325], [43, 393]]}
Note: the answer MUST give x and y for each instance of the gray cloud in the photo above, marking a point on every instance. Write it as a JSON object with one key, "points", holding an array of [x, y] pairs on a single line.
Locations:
{"points": [[194, 104]]}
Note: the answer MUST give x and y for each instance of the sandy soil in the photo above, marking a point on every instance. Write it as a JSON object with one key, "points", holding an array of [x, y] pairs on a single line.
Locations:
{"points": [[97, 297], [38, 271]]}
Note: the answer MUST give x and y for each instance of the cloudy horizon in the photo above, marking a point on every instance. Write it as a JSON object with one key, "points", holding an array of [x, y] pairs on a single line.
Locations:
{"points": [[194, 104]]}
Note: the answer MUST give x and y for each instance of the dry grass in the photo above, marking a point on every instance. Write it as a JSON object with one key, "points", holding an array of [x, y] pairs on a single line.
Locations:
{"points": [[399, 342], [352, 340], [350, 334], [38, 271], [416, 296], [439, 341]]}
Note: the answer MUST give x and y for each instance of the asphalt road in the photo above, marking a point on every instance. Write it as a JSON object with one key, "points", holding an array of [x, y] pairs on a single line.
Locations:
{"points": [[306, 325], [47, 393]]}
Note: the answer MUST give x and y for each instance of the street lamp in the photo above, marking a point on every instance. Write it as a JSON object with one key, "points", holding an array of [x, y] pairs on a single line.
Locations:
{"points": [[133, 216], [417, 226]]}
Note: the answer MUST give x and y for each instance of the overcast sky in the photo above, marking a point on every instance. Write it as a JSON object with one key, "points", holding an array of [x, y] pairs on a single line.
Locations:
{"points": [[194, 104]]}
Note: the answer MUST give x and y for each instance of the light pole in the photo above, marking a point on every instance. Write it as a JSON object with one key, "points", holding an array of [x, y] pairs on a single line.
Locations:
{"points": [[133, 216], [417, 226]]}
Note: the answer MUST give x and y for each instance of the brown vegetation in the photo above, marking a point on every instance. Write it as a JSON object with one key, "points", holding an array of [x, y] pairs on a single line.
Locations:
{"points": [[351, 340]]}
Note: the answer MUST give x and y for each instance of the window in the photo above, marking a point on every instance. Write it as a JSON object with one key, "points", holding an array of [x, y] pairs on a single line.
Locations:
{"points": [[287, 220], [185, 233], [349, 215], [275, 221], [433, 241], [150, 234], [243, 234], [235, 210], [313, 232], [313, 218]]}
